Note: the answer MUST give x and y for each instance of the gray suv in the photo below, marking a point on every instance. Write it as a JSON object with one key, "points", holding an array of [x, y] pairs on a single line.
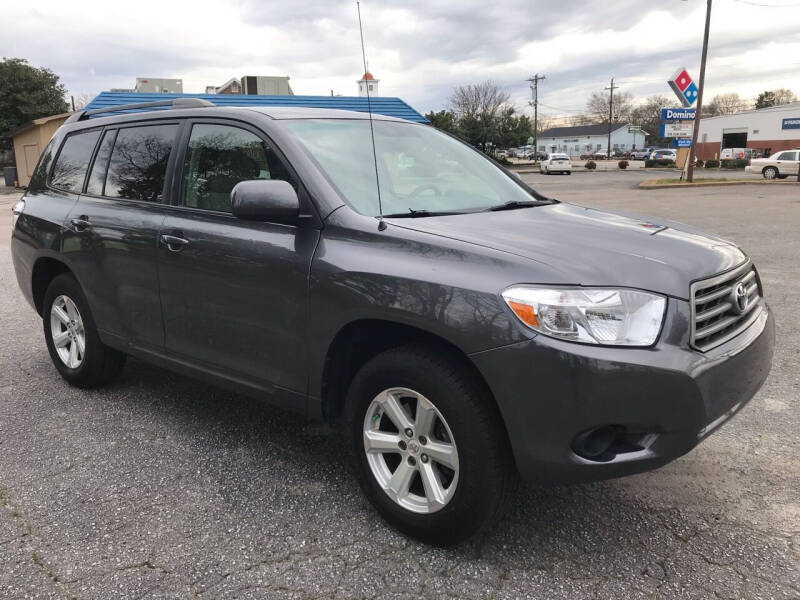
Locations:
{"points": [[465, 329]]}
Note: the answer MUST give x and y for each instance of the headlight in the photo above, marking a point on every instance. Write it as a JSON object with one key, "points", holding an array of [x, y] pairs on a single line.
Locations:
{"points": [[618, 317], [16, 211]]}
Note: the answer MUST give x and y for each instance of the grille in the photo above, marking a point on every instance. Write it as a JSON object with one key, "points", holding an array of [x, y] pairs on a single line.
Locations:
{"points": [[716, 314]]}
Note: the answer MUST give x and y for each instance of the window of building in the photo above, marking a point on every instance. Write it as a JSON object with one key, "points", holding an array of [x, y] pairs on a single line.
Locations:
{"points": [[70, 167], [219, 157], [138, 162]]}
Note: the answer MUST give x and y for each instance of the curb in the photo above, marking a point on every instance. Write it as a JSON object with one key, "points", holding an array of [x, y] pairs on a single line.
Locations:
{"points": [[645, 185]]}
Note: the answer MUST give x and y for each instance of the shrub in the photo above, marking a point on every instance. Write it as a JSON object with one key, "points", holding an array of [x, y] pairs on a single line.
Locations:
{"points": [[711, 164], [735, 163], [698, 163], [623, 164], [660, 162], [591, 165]]}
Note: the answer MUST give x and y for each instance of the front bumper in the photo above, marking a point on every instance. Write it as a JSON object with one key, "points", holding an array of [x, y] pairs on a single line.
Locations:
{"points": [[550, 392]]}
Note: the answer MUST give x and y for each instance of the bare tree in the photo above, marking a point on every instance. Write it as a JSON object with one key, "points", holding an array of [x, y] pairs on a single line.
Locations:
{"points": [[648, 115], [784, 96], [478, 101], [725, 104], [597, 107]]}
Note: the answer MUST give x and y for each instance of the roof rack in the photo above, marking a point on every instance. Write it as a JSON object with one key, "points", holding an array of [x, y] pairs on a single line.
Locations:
{"points": [[174, 103]]}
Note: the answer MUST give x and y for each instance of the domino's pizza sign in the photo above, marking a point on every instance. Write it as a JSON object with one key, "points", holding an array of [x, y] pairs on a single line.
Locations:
{"points": [[683, 86]]}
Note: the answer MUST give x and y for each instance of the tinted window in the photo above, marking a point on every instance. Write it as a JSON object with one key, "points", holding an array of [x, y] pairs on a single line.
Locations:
{"points": [[73, 161], [139, 162], [97, 177], [219, 157]]}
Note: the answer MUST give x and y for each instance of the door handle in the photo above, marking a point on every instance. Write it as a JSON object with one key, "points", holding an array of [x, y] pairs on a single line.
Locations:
{"points": [[81, 223], [173, 242]]}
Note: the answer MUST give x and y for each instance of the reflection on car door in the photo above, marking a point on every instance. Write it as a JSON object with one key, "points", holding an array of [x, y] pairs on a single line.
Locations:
{"points": [[113, 229], [233, 292], [787, 163]]}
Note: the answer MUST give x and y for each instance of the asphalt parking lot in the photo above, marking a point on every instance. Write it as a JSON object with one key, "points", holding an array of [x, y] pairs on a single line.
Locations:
{"points": [[162, 487]]}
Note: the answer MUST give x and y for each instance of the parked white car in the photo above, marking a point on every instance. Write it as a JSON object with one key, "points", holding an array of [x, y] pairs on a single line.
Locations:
{"points": [[556, 163], [664, 154], [780, 165]]}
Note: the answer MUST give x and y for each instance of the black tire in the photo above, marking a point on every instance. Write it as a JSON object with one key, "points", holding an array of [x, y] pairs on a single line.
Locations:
{"points": [[569, 172], [770, 172], [100, 364], [487, 475]]}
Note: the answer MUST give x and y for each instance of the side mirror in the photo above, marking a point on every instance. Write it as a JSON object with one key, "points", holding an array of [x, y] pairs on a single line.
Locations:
{"points": [[264, 200]]}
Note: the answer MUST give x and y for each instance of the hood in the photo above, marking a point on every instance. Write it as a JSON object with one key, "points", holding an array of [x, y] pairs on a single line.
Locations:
{"points": [[586, 246]]}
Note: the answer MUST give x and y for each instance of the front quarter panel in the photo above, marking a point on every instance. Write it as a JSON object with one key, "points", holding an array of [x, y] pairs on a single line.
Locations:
{"points": [[442, 286]]}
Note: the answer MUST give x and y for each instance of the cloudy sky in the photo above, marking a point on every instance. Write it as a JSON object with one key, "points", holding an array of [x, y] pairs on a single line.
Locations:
{"points": [[419, 49]]}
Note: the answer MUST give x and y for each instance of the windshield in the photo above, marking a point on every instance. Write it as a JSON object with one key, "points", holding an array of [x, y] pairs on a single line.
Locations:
{"points": [[419, 168]]}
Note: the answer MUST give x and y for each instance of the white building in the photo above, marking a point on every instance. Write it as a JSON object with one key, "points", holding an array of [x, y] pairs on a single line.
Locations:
{"points": [[159, 85], [583, 139], [368, 83], [766, 130]]}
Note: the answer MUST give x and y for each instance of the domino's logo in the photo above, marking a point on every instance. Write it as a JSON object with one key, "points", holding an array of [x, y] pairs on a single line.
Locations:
{"points": [[685, 89]]}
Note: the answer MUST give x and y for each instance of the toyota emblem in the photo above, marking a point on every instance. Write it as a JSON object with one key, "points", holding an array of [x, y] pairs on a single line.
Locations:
{"points": [[740, 297]]}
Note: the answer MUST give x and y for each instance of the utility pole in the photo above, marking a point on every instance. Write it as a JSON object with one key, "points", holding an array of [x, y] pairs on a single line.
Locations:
{"points": [[534, 81], [697, 112], [610, 114]]}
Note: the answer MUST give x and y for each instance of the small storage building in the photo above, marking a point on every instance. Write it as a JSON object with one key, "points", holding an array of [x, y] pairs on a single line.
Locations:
{"points": [[29, 142]]}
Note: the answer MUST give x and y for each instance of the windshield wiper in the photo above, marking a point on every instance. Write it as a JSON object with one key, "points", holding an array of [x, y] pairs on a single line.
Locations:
{"points": [[516, 204], [413, 214]]}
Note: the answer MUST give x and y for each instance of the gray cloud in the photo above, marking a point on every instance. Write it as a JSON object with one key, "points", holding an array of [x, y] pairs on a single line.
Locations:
{"points": [[419, 49]]}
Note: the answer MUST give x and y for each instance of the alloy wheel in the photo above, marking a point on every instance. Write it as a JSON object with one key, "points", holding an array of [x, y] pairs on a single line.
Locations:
{"points": [[67, 331], [770, 173], [411, 450]]}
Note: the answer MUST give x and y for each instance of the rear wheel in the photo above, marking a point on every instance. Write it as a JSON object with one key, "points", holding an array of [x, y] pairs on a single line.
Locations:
{"points": [[430, 451], [770, 172], [71, 336]]}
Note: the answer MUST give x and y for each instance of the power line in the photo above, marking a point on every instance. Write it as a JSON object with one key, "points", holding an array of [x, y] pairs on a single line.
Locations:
{"points": [[768, 5]]}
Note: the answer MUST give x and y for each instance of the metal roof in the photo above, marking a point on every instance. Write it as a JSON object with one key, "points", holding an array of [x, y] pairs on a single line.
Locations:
{"points": [[581, 130], [382, 105]]}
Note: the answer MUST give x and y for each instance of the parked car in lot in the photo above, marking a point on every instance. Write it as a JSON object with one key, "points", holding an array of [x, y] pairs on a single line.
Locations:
{"points": [[602, 154], [466, 329], [556, 163], [664, 154], [779, 165], [642, 153]]}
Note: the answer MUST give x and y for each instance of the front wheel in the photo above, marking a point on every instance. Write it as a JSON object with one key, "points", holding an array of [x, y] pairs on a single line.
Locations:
{"points": [[71, 336], [430, 451]]}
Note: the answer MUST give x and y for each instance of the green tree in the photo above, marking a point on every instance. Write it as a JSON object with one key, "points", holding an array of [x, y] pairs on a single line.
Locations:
{"points": [[26, 93], [444, 120], [775, 97], [765, 99]]}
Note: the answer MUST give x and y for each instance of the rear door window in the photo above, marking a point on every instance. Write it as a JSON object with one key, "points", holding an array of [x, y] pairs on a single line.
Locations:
{"points": [[219, 157], [97, 178], [69, 170], [787, 156], [138, 164]]}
